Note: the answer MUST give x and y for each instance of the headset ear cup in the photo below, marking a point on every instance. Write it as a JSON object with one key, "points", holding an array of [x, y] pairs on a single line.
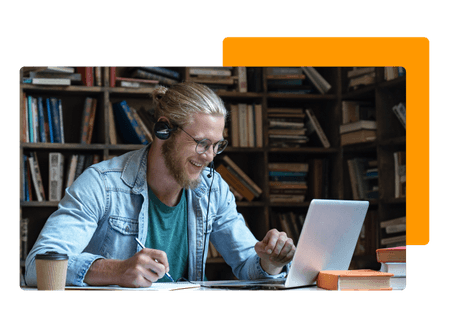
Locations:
{"points": [[162, 130]]}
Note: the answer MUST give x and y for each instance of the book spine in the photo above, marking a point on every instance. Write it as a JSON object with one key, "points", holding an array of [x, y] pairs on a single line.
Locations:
{"points": [[112, 76], [209, 72], [24, 119], [37, 178], [318, 128], [91, 121], [55, 120], [61, 122], [71, 170], [41, 120], [242, 114], [234, 118], [35, 121], [49, 118], [80, 166], [85, 120], [30, 119], [135, 124], [106, 72], [242, 79], [56, 168]]}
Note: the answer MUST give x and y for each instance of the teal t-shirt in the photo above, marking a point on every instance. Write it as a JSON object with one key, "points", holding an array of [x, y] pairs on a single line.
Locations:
{"points": [[167, 231]]}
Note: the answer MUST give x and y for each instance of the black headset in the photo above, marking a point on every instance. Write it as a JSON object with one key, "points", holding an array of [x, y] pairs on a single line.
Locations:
{"points": [[163, 132]]}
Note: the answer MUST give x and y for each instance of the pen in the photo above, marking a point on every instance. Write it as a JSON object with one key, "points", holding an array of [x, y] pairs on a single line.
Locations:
{"points": [[142, 246]]}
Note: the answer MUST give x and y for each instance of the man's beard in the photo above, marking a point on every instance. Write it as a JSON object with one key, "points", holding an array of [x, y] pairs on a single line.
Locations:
{"points": [[175, 166]]}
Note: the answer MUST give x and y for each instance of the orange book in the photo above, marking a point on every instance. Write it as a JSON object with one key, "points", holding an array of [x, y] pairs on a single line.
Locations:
{"points": [[394, 254], [354, 280]]}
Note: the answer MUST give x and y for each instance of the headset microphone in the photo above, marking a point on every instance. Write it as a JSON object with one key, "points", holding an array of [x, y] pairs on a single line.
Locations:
{"points": [[211, 168]]}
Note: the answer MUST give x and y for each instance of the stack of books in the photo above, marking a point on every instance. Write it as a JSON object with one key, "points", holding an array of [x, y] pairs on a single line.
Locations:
{"points": [[241, 185], [288, 182], [360, 76], [393, 260], [287, 80], [358, 123], [51, 75], [220, 78], [150, 76], [286, 127]]}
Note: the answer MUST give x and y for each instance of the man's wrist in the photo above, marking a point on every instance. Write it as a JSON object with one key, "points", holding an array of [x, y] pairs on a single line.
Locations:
{"points": [[269, 268]]}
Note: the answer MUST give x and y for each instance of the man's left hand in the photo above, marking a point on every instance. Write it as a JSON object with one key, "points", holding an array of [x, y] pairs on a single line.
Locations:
{"points": [[275, 250]]}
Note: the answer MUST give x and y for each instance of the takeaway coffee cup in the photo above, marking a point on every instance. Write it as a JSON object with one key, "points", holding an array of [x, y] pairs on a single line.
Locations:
{"points": [[51, 270]]}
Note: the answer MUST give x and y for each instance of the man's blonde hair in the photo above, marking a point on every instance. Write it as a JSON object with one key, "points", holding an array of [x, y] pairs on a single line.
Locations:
{"points": [[179, 102]]}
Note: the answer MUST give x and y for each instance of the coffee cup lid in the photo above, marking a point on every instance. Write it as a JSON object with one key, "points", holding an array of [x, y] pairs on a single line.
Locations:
{"points": [[52, 255]]}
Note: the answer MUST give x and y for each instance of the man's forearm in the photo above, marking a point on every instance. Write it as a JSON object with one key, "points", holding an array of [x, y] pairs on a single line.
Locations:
{"points": [[103, 272]]}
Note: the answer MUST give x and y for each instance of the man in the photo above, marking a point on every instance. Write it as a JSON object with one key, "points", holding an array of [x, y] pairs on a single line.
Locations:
{"points": [[165, 196]]}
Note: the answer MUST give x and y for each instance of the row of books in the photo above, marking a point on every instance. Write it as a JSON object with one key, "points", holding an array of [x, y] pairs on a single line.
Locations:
{"points": [[220, 78], [133, 126], [246, 125], [363, 174], [60, 174], [392, 274], [42, 120], [288, 182]]}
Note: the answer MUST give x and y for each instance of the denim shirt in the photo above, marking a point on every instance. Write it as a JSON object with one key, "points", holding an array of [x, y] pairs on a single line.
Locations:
{"points": [[107, 207]]}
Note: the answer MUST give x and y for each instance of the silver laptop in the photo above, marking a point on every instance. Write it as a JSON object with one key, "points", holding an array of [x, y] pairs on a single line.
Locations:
{"points": [[327, 242]]}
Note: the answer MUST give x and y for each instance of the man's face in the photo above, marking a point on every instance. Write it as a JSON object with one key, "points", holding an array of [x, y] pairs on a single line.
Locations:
{"points": [[179, 151]]}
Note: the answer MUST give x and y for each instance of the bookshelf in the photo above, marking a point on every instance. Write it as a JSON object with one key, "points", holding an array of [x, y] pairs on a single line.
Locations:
{"points": [[261, 213]]}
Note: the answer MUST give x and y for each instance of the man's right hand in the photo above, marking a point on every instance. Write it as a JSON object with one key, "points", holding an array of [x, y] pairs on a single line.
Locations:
{"points": [[141, 270]]}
